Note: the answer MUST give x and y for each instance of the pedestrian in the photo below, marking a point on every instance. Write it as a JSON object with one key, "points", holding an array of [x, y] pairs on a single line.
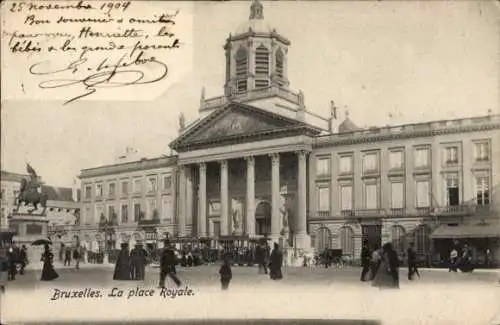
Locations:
{"points": [[122, 266], [275, 263], [77, 257], [138, 258], [412, 262], [365, 260], [12, 258], [23, 259], [374, 262], [67, 256], [225, 273], [388, 272], [453, 260], [48, 272], [168, 261]]}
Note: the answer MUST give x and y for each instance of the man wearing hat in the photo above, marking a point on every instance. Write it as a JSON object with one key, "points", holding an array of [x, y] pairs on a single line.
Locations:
{"points": [[168, 261], [138, 259]]}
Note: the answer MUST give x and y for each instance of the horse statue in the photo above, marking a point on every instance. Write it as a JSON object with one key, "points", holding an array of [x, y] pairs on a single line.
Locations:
{"points": [[29, 195]]}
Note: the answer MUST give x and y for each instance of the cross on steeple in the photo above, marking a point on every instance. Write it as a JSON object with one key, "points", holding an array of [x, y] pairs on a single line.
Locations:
{"points": [[256, 10]]}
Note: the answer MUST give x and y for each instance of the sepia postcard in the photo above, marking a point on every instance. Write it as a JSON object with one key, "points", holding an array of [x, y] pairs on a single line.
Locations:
{"points": [[250, 162]]}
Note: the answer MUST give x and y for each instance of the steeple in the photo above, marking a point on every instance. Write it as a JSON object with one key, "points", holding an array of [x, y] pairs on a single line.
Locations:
{"points": [[256, 10]]}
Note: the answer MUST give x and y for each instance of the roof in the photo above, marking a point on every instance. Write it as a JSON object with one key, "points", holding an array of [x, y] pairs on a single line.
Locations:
{"points": [[60, 193], [467, 231], [11, 177], [348, 126]]}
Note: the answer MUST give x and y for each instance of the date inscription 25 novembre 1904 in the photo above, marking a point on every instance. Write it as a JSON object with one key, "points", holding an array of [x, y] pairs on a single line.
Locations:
{"points": [[93, 45]]}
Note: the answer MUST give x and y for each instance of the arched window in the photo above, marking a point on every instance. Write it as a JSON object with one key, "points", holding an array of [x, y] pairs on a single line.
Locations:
{"points": [[422, 240], [347, 241], [323, 239], [241, 61], [398, 235], [279, 63]]}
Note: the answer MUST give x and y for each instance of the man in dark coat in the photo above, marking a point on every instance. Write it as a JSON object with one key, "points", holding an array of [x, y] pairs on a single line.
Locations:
{"points": [[365, 260], [23, 259], [168, 260], [412, 262], [12, 258], [276, 261], [138, 258], [122, 266]]}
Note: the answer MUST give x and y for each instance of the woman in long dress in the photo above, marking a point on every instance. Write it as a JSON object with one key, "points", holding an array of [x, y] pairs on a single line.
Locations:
{"points": [[387, 275], [276, 261], [48, 272], [122, 266]]}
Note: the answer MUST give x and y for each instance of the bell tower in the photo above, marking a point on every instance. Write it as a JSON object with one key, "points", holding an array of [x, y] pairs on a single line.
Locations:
{"points": [[256, 55]]}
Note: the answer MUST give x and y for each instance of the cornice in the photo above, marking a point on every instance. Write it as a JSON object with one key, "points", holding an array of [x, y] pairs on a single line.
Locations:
{"points": [[365, 136], [140, 165]]}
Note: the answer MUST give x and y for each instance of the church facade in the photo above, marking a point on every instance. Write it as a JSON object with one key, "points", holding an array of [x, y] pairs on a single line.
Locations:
{"points": [[258, 163]]}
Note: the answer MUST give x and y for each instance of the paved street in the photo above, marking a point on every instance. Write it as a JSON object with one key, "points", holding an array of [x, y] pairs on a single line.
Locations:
{"points": [[436, 298], [101, 276]]}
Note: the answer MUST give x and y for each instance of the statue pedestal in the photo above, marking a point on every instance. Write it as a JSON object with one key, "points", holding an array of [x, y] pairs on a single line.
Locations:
{"points": [[28, 228]]}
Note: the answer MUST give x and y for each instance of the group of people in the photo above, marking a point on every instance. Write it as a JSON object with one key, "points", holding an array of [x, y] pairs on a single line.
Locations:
{"points": [[462, 262], [70, 254], [16, 256], [383, 265], [131, 264]]}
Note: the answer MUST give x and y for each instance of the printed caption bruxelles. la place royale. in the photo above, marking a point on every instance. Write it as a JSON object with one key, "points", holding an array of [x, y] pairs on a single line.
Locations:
{"points": [[138, 292]]}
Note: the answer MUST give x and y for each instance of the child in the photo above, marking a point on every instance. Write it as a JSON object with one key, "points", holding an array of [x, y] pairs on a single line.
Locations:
{"points": [[225, 273]]}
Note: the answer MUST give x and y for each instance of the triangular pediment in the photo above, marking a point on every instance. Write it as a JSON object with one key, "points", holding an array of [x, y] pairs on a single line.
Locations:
{"points": [[234, 121]]}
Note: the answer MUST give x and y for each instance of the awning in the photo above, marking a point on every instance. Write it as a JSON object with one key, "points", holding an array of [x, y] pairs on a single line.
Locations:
{"points": [[467, 231]]}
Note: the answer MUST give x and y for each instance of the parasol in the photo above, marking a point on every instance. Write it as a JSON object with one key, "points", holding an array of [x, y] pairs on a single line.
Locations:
{"points": [[42, 241]]}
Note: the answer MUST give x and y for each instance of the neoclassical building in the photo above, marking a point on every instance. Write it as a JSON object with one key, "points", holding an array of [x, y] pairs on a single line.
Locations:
{"points": [[258, 163]]}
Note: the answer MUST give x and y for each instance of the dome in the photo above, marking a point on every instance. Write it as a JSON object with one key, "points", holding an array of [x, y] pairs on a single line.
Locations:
{"points": [[257, 26]]}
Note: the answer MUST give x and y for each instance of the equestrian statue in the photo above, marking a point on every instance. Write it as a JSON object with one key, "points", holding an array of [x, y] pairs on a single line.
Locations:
{"points": [[28, 193]]}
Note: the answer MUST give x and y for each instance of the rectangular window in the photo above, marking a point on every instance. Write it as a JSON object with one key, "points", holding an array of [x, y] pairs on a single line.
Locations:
{"points": [[396, 160], [111, 189], [482, 190], [88, 192], [167, 182], [323, 195], [452, 190], [397, 195], [217, 228], [323, 166], [137, 211], [371, 196], [137, 185], [111, 212], [98, 190], [124, 213], [86, 215], [99, 212], [124, 187], [345, 164], [422, 158], [166, 208], [152, 185], [370, 162], [451, 155], [346, 197], [482, 151], [150, 207], [423, 194]]}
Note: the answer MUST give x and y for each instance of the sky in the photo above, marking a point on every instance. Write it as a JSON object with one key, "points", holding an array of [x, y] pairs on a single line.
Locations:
{"points": [[387, 62]]}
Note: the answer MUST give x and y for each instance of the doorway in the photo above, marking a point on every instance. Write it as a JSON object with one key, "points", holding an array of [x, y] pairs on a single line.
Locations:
{"points": [[263, 219], [373, 235]]}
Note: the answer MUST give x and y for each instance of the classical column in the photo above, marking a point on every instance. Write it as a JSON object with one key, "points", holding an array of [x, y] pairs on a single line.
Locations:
{"points": [[250, 215], [189, 197], [275, 198], [181, 209], [224, 196], [202, 197], [301, 237]]}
